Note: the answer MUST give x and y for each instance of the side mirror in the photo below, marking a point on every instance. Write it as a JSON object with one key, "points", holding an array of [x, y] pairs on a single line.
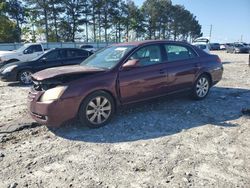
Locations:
{"points": [[131, 64], [27, 51]]}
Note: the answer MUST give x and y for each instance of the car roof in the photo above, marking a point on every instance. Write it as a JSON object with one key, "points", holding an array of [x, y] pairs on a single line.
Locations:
{"points": [[139, 43], [67, 49]]}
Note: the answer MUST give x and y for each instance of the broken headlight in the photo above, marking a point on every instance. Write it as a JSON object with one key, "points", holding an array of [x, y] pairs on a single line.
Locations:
{"points": [[53, 94]]}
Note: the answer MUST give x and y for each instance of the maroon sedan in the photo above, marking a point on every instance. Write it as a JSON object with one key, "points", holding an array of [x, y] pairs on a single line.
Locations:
{"points": [[121, 74]]}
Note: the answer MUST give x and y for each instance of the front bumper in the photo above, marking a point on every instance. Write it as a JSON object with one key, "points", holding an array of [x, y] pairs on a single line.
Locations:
{"points": [[52, 113], [7, 77]]}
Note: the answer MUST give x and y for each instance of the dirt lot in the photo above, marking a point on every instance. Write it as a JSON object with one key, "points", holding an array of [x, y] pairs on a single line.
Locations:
{"points": [[168, 142]]}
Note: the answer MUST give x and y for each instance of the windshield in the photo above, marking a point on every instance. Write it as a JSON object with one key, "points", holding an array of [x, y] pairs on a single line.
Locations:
{"points": [[107, 58], [22, 48]]}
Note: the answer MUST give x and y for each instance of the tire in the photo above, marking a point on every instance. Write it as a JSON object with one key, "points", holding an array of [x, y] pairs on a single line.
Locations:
{"points": [[25, 77], [201, 87], [93, 115]]}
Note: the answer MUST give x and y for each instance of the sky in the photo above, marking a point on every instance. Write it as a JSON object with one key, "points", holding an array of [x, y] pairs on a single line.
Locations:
{"points": [[230, 19]]}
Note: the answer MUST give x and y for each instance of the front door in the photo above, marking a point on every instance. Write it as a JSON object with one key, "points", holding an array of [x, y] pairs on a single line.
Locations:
{"points": [[50, 59], [146, 81]]}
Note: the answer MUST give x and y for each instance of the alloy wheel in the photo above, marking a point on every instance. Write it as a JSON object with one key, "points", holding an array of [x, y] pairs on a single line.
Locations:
{"points": [[25, 77], [202, 87], [98, 110]]}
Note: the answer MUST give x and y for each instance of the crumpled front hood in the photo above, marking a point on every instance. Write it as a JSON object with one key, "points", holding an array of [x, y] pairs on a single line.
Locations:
{"points": [[64, 70]]}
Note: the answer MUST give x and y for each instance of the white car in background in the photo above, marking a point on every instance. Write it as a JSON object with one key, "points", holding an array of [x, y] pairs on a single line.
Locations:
{"points": [[25, 53], [88, 47], [202, 43]]}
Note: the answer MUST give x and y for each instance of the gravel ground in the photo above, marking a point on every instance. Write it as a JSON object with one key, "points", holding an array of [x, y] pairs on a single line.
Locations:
{"points": [[167, 142]]}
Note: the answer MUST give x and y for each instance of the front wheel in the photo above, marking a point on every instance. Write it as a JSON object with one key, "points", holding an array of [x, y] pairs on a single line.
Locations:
{"points": [[201, 87], [96, 110], [25, 77]]}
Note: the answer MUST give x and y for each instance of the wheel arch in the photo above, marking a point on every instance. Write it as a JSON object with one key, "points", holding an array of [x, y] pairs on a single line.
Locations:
{"points": [[12, 60], [101, 90], [207, 74]]}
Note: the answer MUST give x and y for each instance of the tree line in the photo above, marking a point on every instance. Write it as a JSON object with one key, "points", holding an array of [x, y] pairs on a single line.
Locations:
{"points": [[95, 20]]}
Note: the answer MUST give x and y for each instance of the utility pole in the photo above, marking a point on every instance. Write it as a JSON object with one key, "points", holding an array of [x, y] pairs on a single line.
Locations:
{"points": [[210, 33]]}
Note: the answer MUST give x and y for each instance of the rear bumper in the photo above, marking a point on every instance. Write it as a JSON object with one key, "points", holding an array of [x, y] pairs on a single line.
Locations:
{"points": [[217, 75], [52, 113]]}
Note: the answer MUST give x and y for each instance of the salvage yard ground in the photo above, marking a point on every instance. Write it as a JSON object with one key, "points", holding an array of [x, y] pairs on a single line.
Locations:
{"points": [[168, 142]]}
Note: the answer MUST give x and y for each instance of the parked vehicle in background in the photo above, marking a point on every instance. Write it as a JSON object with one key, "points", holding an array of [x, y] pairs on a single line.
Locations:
{"points": [[118, 75], [214, 46], [202, 46], [223, 47], [21, 71], [88, 47], [25, 53], [237, 48], [246, 45], [202, 43]]}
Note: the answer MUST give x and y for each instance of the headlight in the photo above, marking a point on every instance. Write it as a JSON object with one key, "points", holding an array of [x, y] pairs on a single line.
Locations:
{"points": [[8, 69], [53, 94]]}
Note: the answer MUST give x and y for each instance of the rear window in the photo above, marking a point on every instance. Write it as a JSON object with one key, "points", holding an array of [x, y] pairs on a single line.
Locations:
{"points": [[176, 52]]}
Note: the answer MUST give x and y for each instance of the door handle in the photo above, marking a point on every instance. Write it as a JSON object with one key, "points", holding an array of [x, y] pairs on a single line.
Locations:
{"points": [[161, 71]]}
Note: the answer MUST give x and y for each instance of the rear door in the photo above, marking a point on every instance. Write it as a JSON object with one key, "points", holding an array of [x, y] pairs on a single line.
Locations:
{"points": [[74, 56], [146, 81], [182, 66]]}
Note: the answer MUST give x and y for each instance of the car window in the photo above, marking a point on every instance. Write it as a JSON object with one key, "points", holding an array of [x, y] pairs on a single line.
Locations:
{"points": [[108, 57], [176, 52], [76, 53], [53, 55], [238, 45], [148, 55], [35, 48], [87, 46]]}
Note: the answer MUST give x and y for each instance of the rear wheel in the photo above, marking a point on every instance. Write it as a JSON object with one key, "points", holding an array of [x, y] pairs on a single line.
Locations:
{"points": [[201, 87], [96, 110], [25, 77]]}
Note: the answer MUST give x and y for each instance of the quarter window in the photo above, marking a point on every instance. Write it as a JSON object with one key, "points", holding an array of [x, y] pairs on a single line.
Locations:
{"points": [[148, 55], [176, 52], [35, 48]]}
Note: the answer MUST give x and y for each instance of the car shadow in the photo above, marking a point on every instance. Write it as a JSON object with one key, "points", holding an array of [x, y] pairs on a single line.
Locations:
{"points": [[226, 62], [164, 116], [18, 84]]}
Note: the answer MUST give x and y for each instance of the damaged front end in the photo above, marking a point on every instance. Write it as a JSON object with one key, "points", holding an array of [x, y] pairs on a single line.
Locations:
{"points": [[46, 103], [43, 85]]}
